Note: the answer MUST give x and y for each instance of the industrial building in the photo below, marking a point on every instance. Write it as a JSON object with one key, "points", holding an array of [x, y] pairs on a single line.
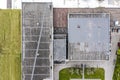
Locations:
{"points": [[52, 37]]}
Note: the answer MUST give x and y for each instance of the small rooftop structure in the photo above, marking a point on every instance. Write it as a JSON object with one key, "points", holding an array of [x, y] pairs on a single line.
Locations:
{"points": [[59, 49]]}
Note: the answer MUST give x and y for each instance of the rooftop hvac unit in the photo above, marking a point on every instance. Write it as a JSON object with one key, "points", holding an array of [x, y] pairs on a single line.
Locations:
{"points": [[116, 23]]}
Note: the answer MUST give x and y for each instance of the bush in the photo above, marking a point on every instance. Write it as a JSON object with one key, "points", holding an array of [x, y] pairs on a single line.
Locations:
{"points": [[118, 51]]}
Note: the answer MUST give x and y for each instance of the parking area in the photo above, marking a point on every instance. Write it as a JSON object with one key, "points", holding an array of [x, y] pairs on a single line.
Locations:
{"points": [[36, 40]]}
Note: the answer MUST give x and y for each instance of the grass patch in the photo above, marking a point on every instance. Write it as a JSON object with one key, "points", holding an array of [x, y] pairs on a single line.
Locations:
{"points": [[67, 73], [10, 45], [118, 52], [116, 75], [90, 73], [94, 73]]}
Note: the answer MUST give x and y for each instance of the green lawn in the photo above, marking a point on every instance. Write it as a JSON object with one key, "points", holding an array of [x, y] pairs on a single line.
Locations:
{"points": [[90, 73], [116, 75], [67, 73], [10, 45], [94, 73], [118, 52]]}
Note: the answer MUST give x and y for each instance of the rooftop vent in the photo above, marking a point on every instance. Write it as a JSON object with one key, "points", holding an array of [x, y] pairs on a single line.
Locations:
{"points": [[116, 23]]}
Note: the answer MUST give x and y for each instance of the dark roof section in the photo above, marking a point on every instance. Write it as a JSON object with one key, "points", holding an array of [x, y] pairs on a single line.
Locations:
{"points": [[60, 30], [60, 14]]}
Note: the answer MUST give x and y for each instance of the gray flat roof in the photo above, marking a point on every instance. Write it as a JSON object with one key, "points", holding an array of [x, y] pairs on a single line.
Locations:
{"points": [[89, 33], [59, 49]]}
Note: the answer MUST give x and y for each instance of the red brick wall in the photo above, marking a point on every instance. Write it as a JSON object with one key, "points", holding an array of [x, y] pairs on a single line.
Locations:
{"points": [[60, 17], [60, 14]]}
